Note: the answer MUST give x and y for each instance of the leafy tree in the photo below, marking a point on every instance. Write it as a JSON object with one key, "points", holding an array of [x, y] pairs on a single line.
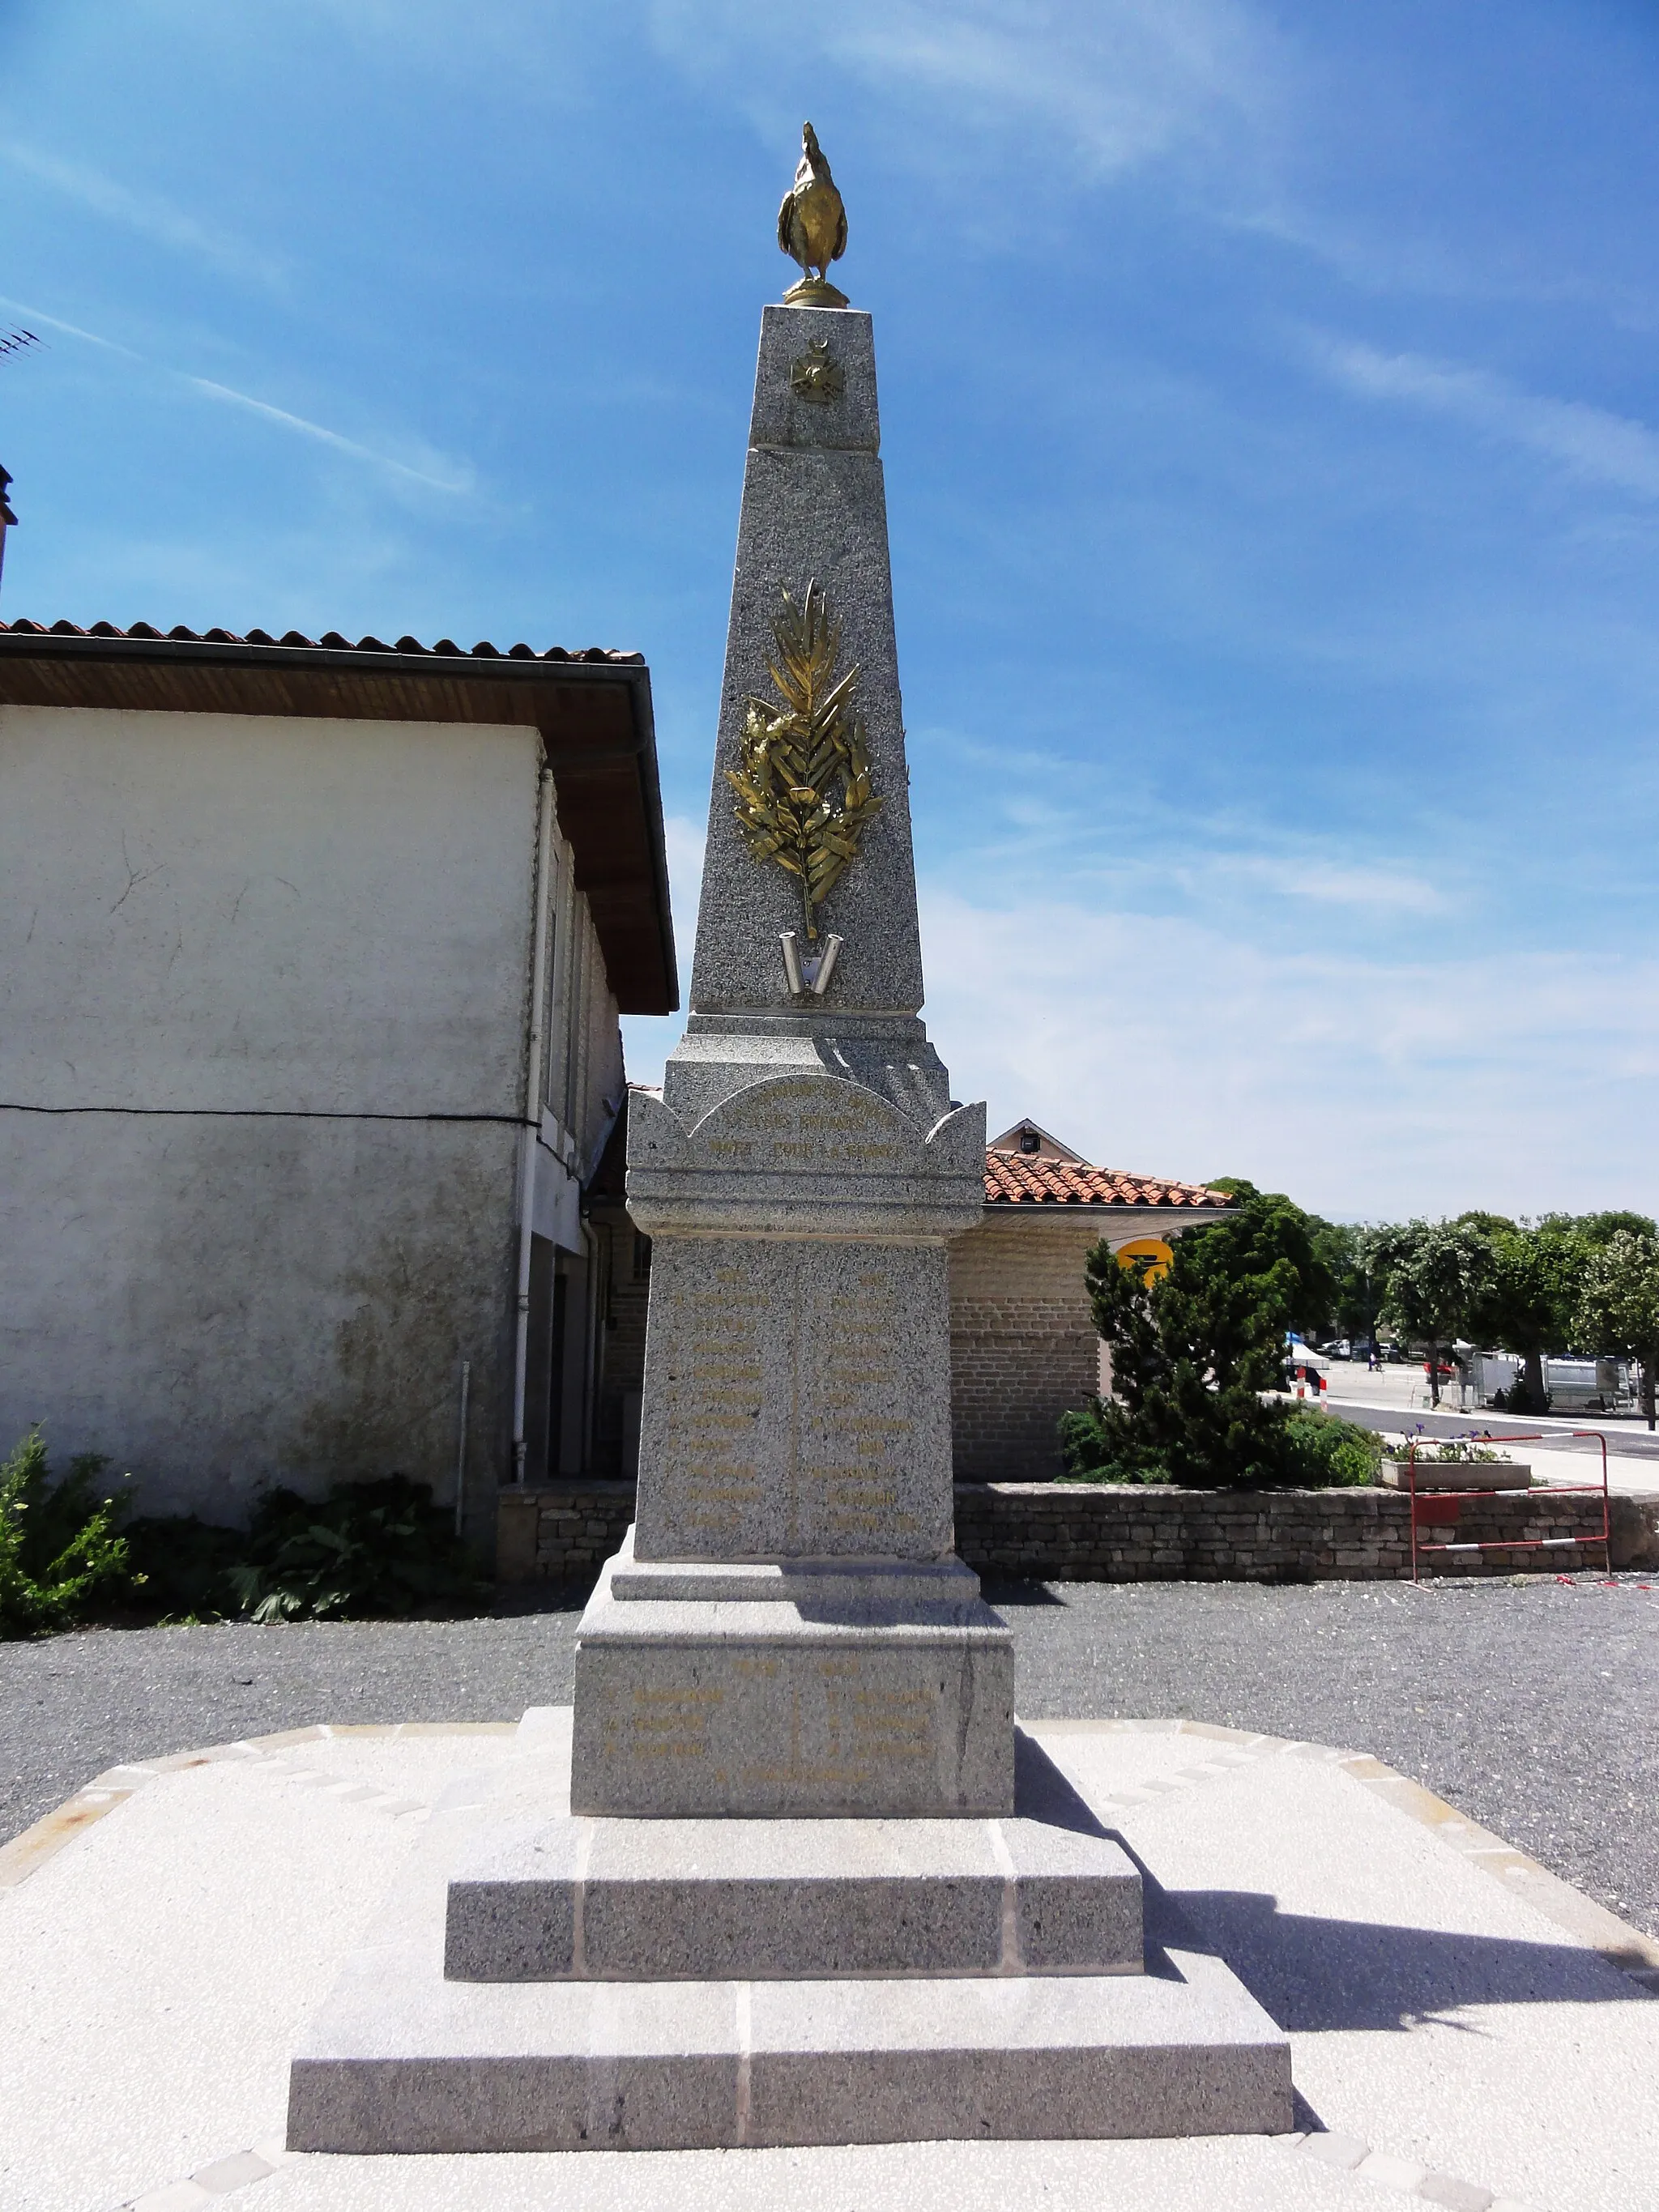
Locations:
{"points": [[1436, 1275], [1528, 1300], [1618, 1306], [1345, 1248], [1266, 1227], [1193, 1351], [1597, 1229]]}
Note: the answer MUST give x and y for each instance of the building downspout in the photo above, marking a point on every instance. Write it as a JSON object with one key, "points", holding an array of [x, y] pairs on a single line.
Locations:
{"points": [[595, 1320], [532, 1115]]}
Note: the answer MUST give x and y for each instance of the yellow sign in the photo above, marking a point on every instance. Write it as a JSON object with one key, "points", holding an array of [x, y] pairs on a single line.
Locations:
{"points": [[1148, 1248]]}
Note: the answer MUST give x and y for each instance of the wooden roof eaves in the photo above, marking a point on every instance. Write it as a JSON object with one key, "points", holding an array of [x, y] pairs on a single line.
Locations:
{"points": [[326, 682]]}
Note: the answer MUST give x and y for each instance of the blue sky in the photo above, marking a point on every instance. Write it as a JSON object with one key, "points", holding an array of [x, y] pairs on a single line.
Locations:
{"points": [[1271, 430]]}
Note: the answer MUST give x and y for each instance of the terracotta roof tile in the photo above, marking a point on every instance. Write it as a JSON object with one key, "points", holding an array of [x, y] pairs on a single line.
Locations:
{"points": [[331, 642], [1022, 1179]]}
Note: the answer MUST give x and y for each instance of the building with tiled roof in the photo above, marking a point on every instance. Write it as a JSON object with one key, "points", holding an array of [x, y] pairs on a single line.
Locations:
{"points": [[315, 956], [1012, 1180], [1023, 1349]]}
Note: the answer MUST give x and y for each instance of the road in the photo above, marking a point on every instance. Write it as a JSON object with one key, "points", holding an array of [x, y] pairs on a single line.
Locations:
{"points": [[1389, 1402]]}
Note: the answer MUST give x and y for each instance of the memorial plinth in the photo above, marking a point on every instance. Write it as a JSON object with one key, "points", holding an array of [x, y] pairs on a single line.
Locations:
{"points": [[804, 1882]]}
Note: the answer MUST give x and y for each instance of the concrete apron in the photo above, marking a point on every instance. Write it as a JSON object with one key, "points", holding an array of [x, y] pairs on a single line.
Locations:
{"points": [[1460, 2028]]}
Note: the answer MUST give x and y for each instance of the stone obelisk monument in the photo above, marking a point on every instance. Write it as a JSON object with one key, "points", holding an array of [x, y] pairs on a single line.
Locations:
{"points": [[790, 1874], [789, 1630]]}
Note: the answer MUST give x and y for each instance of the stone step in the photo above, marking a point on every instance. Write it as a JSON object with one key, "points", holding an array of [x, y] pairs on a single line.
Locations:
{"points": [[401, 2060], [671, 1900], [1046, 1890], [837, 1586]]}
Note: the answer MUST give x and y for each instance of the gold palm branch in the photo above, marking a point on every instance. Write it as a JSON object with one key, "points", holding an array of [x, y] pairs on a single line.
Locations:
{"points": [[804, 794]]}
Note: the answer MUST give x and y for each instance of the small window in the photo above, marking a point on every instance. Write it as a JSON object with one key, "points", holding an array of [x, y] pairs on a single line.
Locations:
{"points": [[1029, 1141]]}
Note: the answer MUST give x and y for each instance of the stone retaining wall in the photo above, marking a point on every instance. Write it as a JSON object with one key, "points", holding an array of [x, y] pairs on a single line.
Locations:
{"points": [[564, 1532], [1089, 1532]]}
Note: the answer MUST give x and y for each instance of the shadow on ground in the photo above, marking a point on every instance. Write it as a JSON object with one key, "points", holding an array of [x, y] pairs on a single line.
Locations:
{"points": [[1313, 1974]]}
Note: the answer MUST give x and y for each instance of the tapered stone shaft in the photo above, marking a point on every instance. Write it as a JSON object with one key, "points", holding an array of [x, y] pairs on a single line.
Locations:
{"points": [[800, 1178]]}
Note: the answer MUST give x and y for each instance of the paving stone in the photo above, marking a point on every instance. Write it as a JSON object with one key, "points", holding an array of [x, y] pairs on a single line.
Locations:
{"points": [[234, 2173], [175, 2197], [1393, 2173], [1458, 2196], [1333, 2149]]}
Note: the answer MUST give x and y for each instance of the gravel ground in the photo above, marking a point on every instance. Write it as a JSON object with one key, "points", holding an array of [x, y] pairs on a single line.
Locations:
{"points": [[1532, 1707]]}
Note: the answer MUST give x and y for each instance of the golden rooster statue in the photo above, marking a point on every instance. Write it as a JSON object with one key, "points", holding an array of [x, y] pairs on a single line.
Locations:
{"points": [[812, 227]]}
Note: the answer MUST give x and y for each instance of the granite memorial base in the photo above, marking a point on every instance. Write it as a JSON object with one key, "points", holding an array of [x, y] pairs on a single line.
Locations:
{"points": [[814, 1689], [569, 1983]]}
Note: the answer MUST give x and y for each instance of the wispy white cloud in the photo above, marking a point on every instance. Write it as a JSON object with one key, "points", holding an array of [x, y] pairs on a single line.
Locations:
{"points": [[425, 468], [1336, 884], [149, 214], [685, 839], [1364, 1087], [1047, 822], [1591, 442], [1103, 89], [456, 482], [1191, 1047]]}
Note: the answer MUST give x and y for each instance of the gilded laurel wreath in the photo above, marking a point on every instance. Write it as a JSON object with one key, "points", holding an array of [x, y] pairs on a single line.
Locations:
{"points": [[795, 756]]}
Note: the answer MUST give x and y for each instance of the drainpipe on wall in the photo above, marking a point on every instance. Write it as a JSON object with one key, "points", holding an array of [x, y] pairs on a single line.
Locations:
{"points": [[531, 1111], [460, 1452], [590, 1379]]}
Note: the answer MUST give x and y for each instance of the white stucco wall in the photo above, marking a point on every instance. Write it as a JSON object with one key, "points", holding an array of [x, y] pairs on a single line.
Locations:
{"points": [[582, 1077], [230, 911], [246, 935]]}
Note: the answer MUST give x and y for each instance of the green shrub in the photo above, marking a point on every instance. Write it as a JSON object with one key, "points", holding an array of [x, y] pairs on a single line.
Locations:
{"points": [[1198, 1352], [1328, 1453], [60, 1551], [1311, 1451], [366, 1550], [1091, 1451]]}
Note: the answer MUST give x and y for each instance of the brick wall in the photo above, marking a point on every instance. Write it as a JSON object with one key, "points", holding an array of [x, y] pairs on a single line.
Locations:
{"points": [[1102, 1532], [1022, 1345]]}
